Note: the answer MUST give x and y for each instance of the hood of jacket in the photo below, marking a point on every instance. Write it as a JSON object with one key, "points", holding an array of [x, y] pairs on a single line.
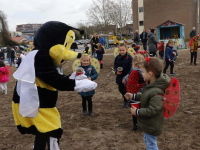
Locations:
{"points": [[162, 82]]}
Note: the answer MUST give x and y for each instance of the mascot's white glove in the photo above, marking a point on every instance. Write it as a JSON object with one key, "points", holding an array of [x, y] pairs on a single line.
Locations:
{"points": [[83, 84]]}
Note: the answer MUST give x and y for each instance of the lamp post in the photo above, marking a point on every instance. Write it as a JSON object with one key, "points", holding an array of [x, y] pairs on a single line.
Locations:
{"points": [[85, 27]]}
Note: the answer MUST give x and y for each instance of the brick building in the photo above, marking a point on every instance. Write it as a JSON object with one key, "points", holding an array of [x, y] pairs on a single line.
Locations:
{"points": [[151, 13], [23, 27]]}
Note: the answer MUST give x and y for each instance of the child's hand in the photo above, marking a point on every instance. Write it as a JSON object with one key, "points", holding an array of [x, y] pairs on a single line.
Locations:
{"points": [[89, 78], [133, 110], [169, 60], [123, 81], [128, 96], [119, 72]]}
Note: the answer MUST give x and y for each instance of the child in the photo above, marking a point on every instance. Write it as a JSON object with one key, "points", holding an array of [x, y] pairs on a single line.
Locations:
{"points": [[161, 50], [4, 79], [92, 74], [100, 51], [135, 47], [151, 111], [169, 57], [86, 49], [175, 53], [124, 61], [194, 49], [137, 60], [18, 60]]}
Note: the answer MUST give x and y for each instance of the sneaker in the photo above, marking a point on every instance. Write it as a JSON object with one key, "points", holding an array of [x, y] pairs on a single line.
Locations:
{"points": [[91, 113], [195, 64], [125, 105], [172, 74], [84, 112], [135, 127]]}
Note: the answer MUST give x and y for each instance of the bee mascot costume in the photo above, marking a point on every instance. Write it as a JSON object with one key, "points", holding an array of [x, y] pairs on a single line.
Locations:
{"points": [[36, 91]]}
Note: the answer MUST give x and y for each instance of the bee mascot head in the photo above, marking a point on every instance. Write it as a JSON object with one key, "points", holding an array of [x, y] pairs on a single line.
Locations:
{"points": [[54, 39]]}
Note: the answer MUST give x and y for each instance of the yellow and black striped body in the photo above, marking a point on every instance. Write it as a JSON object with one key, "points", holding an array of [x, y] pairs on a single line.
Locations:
{"points": [[48, 80]]}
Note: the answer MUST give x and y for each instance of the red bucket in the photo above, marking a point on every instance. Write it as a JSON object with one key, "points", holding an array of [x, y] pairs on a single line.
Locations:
{"points": [[137, 105]]}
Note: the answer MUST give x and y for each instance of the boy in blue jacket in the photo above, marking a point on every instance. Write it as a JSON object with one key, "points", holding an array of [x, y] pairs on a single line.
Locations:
{"points": [[125, 61], [92, 74], [169, 57]]}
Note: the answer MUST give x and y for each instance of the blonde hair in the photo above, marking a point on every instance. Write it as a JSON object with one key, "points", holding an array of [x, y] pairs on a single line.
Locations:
{"points": [[170, 41], [122, 43], [85, 55], [138, 60]]}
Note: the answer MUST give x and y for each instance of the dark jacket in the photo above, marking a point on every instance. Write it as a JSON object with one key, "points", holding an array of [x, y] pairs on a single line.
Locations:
{"points": [[136, 38], [90, 71], [141, 37], [95, 41], [12, 54], [19, 61], [2, 57], [192, 34], [100, 54], [86, 50], [8, 53], [152, 42], [151, 112], [168, 53], [125, 62]]}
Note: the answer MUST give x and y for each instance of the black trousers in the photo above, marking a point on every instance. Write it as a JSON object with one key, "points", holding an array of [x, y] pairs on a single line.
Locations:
{"points": [[122, 90], [193, 54], [40, 143], [171, 63], [134, 120], [89, 99]]}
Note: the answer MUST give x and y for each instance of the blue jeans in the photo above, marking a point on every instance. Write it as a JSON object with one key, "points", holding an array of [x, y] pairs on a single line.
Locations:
{"points": [[150, 142], [145, 46], [9, 60]]}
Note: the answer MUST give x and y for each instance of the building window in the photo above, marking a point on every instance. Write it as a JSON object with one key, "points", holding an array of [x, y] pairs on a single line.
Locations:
{"points": [[140, 9], [141, 23]]}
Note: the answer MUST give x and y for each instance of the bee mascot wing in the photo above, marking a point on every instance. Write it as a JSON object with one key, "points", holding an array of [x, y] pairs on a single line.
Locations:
{"points": [[26, 87]]}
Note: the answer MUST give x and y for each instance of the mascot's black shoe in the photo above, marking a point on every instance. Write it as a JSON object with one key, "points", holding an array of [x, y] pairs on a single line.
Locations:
{"points": [[91, 113], [84, 112]]}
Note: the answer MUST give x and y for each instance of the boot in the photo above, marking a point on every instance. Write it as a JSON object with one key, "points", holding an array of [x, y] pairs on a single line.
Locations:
{"points": [[101, 66]]}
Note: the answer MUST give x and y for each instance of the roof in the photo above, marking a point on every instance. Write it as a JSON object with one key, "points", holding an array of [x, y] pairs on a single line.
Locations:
{"points": [[18, 39], [170, 21], [29, 31]]}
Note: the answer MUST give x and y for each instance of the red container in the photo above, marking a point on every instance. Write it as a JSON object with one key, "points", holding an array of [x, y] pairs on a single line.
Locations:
{"points": [[137, 105]]}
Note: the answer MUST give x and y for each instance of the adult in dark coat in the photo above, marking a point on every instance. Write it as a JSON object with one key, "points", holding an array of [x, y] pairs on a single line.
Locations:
{"points": [[136, 38], [94, 42], [143, 37], [152, 43], [193, 33], [12, 56], [2, 57], [8, 50]]}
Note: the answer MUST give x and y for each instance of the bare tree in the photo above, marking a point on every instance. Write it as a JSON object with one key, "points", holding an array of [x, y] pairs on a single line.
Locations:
{"points": [[4, 33], [120, 13], [98, 14]]}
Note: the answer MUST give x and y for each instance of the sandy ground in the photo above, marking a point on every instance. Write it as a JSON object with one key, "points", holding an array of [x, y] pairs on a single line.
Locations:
{"points": [[111, 126]]}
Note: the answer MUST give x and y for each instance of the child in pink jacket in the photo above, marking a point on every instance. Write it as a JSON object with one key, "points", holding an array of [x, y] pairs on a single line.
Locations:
{"points": [[3, 77]]}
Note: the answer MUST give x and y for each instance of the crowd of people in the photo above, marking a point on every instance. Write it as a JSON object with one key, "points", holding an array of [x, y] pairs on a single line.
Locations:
{"points": [[153, 78]]}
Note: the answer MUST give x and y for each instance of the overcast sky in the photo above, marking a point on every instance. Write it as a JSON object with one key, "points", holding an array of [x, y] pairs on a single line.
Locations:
{"points": [[41, 11]]}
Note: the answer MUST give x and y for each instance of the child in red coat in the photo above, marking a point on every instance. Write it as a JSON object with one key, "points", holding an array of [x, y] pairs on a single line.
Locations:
{"points": [[3, 77]]}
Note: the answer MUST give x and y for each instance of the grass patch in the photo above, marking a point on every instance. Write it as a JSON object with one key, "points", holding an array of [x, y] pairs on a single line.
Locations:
{"points": [[187, 40]]}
